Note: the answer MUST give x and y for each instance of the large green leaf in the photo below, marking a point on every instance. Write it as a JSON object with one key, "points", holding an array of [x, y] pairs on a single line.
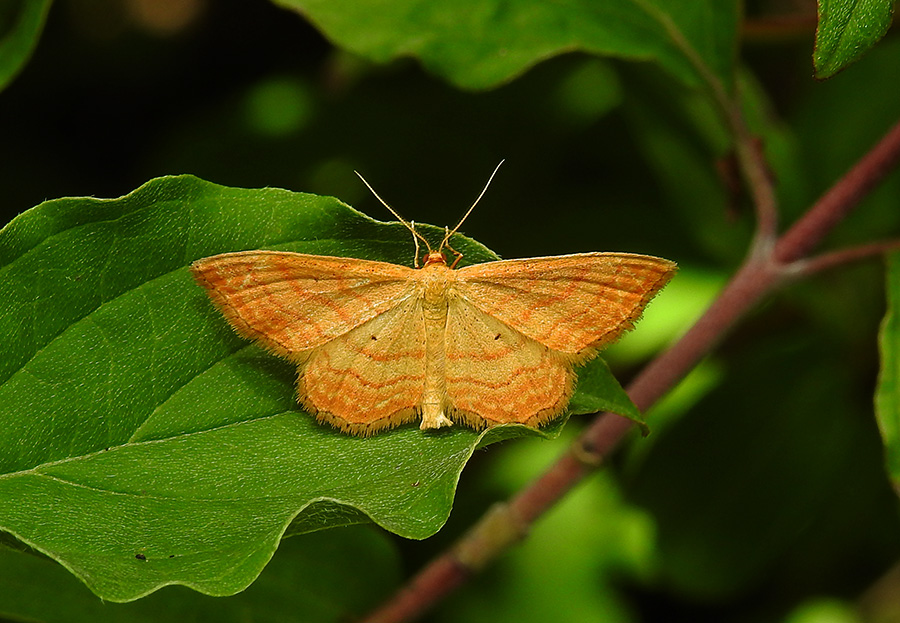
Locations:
{"points": [[887, 396], [846, 31], [21, 23], [142, 443], [325, 576], [480, 43]]}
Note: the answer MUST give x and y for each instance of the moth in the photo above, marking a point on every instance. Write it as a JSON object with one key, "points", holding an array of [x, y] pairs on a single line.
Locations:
{"points": [[379, 344]]}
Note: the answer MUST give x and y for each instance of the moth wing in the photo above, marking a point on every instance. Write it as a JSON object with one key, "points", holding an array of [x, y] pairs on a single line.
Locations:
{"points": [[574, 304], [292, 302], [496, 375], [373, 376]]}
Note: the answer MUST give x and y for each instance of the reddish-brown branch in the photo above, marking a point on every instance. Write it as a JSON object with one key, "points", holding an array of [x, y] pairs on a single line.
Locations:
{"points": [[442, 576], [765, 267], [839, 200]]}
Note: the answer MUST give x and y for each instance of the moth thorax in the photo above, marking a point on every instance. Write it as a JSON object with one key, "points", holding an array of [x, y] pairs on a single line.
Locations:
{"points": [[435, 279]]}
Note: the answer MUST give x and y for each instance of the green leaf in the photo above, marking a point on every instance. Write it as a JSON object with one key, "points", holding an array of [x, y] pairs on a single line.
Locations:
{"points": [[599, 391], [133, 421], [846, 31], [20, 28], [319, 577], [479, 44], [887, 395]]}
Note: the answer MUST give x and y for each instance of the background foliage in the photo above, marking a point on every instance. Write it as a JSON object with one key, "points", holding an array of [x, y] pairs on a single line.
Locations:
{"points": [[761, 493]]}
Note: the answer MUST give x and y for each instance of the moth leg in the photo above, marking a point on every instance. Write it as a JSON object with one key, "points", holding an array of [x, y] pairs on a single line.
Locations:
{"points": [[458, 255]]}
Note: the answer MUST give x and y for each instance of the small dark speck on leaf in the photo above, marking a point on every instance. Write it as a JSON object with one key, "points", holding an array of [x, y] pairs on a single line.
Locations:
{"points": [[497, 337], [374, 338], [140, 557]]}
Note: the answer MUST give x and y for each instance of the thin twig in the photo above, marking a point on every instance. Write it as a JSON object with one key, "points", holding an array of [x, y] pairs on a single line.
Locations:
{"points": [[748, 149], [752, 160], [757, 277], [785, 27], [832, 259]]}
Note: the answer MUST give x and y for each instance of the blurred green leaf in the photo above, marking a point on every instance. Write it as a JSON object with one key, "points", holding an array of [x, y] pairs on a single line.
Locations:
{"points": [[319, 577], [824, 611], [887, 396], [846, 31], [278, 106], [478, 44], [21, 23], [144, 443], [588, 92]]}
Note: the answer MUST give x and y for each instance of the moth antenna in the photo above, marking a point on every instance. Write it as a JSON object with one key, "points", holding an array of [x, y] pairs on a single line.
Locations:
{"points": [[410, 226], [416, 242], [448, 234]]}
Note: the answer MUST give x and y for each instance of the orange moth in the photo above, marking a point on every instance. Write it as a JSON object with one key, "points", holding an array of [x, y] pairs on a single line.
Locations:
{"points": [[379, 344]]}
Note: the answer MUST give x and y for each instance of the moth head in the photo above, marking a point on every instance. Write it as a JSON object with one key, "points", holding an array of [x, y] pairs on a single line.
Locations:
{"points": [[434, 257]]}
